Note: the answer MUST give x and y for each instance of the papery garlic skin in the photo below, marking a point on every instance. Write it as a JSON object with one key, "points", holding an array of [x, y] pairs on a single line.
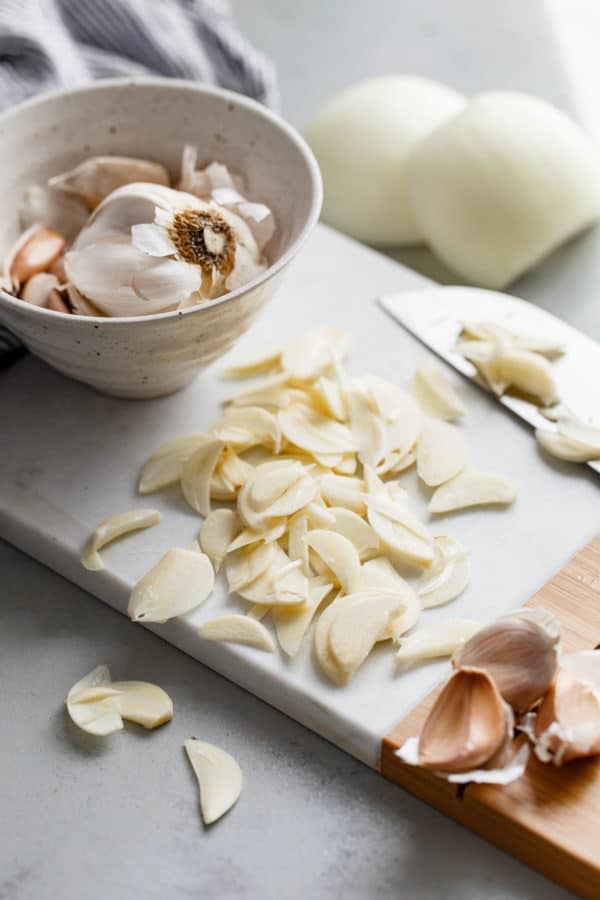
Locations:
{"points": [[501, 185], [361, 139]]}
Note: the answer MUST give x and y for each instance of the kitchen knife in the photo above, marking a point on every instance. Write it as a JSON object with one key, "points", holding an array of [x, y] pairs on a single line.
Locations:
{"points": [[436, 316]]}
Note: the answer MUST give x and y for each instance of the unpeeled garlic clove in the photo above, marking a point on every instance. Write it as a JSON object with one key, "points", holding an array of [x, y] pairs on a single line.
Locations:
{"points": [[36, 250], [519, 652], [237, 629], [472, 488], [434, 392], [306, 356], [219, 777], [467, 725], [38, 289], [95, 178], [177, 584], [115, 527]]}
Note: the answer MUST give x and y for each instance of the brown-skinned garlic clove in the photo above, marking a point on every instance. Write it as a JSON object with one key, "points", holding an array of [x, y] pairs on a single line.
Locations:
{"points": [[519, 651], [467, 725]]}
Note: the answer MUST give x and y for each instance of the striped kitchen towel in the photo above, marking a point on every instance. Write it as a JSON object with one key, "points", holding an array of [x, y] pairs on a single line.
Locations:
{"points": [[50, 44]]}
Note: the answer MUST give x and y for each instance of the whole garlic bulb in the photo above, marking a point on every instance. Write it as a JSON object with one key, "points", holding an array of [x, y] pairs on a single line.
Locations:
{"points": [[361, 139], [503, 184]]}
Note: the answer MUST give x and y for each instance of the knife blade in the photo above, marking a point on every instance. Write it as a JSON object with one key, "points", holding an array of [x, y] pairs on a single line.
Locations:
{"points": [[436, 315]]}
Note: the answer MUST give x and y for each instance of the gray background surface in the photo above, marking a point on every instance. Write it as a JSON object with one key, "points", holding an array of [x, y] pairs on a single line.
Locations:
{"points": [[85, 820]]}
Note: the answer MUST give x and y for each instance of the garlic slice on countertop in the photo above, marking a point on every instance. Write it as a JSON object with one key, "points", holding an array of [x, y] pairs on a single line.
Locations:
{"points": [[249, 426], [246, 565], [441, 452], [115, 527], [312, 431], [197, 473], [97, 177], [98, 705], [472, 488], [292, 624], [434, 393], [355, 629], [447, 576], [435, 640], [237, 629], [177, 584], [217, 533], [355, 529], [165, 465], [219, 777], [338, 554], [519, 651]]}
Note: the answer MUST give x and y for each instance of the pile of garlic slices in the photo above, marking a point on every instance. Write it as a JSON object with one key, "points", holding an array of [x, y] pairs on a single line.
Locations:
{"points": [[492, 184], [510, 678], [114, 237], [318, 527]]}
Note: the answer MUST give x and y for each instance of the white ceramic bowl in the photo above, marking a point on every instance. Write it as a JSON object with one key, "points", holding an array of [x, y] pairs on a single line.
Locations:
{"points": [[146, 356]]}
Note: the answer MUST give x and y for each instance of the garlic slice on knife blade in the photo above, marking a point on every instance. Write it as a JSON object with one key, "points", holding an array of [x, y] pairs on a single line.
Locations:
{"points": [[435, 640], [237, 629], [573, 440], [519, 651], [518, 178], [147, 248], [177, 584], [447, 576], [522, 369], [434, 393], [472, 488], [115, 527], [219, 777], [98, 705]]}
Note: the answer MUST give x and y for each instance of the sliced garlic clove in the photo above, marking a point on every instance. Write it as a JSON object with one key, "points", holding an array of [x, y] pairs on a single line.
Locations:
{"points": [[567, 724], [254, 366], [319, 516], [312, 431], [115, 527], [441, 452], [467, 725], [399, 531], [342, 490], [434, 393], [274, 490], [292, 624], [197, 473], [274, 530], [249, 426], [144, 703], [322, 651], [272, 392], [448, 575], [472, 488], [217, 533], [346, 465], [92, 704], [236, 629], [528, 372], [177, 584], [368, 430], [355, 629], [436, 640], [308, 355], [230, 474], [331, 398], [297, 546], [164, 466], [219, 777], [339, 555], [566, 448], [246, 565], [355, 529], [274, 589], [520, 653], [96, 177]]}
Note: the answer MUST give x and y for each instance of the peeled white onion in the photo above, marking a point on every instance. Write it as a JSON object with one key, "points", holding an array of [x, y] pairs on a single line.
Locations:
{"points": [[501, 185], [361, 139]]}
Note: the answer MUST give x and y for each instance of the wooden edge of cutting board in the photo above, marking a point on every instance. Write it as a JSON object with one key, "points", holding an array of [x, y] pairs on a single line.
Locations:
{"points": [[549, 818]]}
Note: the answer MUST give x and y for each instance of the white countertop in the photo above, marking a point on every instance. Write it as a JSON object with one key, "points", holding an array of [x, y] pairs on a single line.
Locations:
{"points": [[85, 822]]}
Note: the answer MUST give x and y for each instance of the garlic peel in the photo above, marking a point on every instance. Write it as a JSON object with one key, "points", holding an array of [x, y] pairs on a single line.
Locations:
{"points": [[177, 584], [219, 777], [115, 527], [506, 774], [237, 630]]}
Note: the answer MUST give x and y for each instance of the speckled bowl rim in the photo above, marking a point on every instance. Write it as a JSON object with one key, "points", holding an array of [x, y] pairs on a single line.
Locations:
{"points": [[261, 111]]}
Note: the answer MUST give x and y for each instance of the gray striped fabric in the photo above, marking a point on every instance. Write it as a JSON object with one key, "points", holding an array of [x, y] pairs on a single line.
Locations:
{"points": [[50, 44]]}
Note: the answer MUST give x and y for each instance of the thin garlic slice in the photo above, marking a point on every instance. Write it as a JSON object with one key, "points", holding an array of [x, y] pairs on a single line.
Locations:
{"points": [[472, 488], [339, 555], [246, 565], [217, 533], [272, 392], [274, 490], [308, 355], [441, 452], [565, 447], [177, 584], [237, 629], [355, 629], [115, 527], [322, 650], [272, 532], [297, 546], [436, 640], [164, 466], [331, 398], [197, 473], [343, 490], [355, 529], [434, 393], [368, 430], [292, 624], [274, 589], [529, 372], [98, 705], [448, 575], [219, 777], [253, 366], [400, 532], [249, 426], [312, 431], [379, 574]]}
